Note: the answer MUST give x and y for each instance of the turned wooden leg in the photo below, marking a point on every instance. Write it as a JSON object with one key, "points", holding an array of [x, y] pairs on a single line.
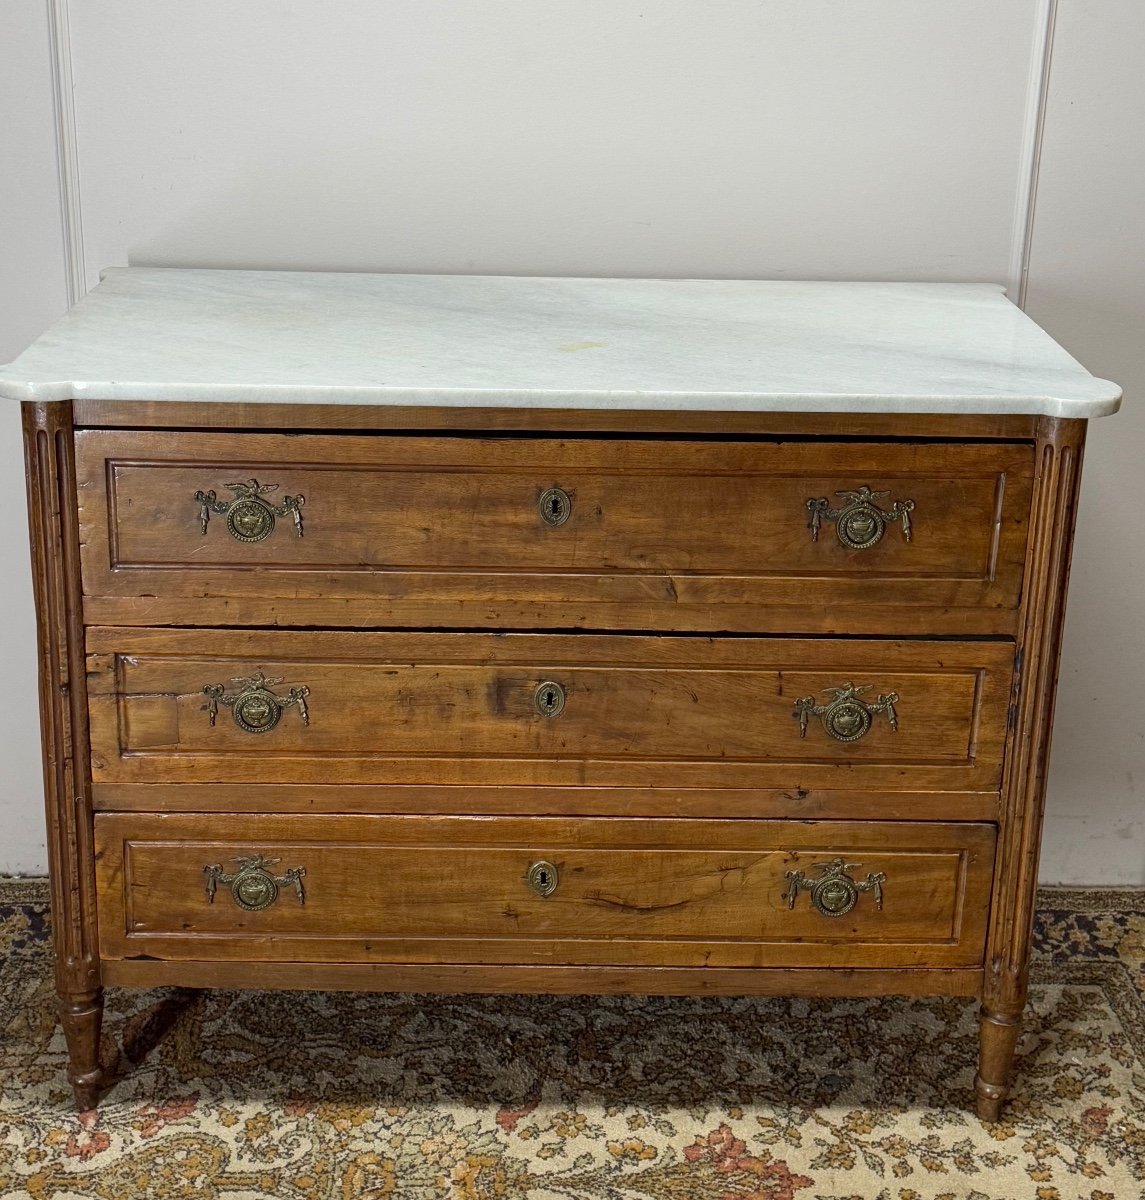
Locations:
{"points": [[1006, 976], [82, 1019], [997, 1037], [49, 454]]}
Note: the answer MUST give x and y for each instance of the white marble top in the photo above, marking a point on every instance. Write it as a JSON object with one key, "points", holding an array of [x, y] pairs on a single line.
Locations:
{"points": [[500, 341]]}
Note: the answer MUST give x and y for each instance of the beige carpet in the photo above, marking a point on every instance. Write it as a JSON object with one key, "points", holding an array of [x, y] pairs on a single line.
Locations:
{"points": [[343, 1096]]}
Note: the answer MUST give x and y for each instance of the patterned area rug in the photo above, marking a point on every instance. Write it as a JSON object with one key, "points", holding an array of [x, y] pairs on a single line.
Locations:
{"points": [[289, 1096]]}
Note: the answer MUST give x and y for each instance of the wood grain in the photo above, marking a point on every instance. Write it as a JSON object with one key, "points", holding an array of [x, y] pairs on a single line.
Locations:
{"points": [[53, 530], [548, 980], [516, 800], [650, 615], [166, 414], [1056, 486], [454, 522], [453, 889], [458, 708]]}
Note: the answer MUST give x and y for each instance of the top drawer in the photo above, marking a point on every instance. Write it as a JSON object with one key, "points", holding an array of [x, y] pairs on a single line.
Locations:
{"points": [[591, 532]]}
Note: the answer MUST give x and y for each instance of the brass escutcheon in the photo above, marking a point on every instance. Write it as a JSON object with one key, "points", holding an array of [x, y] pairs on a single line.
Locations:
{"points": [[255, 708], [549, 699], [847, 718], [250, 517], [860, 523], [834, 893], [555, 506], [254, 886], [543, 878]]}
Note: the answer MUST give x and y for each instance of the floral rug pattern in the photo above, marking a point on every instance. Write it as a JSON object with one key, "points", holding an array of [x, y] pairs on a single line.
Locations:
{"points": [[281, 1096]]}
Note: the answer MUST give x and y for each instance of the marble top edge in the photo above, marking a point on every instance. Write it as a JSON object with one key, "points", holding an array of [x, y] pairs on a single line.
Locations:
{"points": [[842, 403], [554, 342], [989, 285]]}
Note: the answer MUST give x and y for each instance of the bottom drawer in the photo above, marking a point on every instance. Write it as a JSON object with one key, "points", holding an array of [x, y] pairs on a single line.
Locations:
{"points": [[653, 892]]}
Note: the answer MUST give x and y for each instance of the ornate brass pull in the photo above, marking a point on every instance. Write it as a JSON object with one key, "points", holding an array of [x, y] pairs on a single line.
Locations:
{"points": [[549, 699], [543, 878], [250, 518], [847, 718], [834, 893], [255, 708], [254, 886], [861, 523], [555, 506]]}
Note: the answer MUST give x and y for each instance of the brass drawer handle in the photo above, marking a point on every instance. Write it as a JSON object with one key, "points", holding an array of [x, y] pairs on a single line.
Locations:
{"points": [[255, 708], [834, 893], [860, 523], [555, 506], [250, 518], [847, 718], [254, 886], [543, 878], [549, 699]]}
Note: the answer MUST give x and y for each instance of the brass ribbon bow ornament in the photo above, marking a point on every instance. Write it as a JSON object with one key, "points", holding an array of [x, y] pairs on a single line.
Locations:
{"points": [[861, 523], [834, 893], [250, 518], [255, 708], [254, 886], [847, 718]]}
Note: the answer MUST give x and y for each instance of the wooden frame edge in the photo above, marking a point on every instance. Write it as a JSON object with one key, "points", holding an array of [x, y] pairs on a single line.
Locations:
{"points": [[176, 414], [53, 523], [471, 978], [1057, 481]]}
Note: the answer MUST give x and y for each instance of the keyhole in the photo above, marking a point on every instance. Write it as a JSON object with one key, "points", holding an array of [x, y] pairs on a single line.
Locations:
{"points": [[542, 878], [549, 699], [555, 506]]}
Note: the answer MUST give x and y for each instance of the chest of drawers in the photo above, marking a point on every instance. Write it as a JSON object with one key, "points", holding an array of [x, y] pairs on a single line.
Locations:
{"points": [[391, 640]]}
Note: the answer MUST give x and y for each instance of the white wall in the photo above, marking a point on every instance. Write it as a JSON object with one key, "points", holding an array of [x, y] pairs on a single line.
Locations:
{"points": [[1087, 286], [32, 294], [577, 136], [769, 138]]}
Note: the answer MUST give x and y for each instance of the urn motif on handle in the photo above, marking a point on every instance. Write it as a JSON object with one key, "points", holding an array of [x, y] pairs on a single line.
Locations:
{"points": [[250, 517], [834, 893], [254, 886], [847, 718], [255, 708], [860, 523]]}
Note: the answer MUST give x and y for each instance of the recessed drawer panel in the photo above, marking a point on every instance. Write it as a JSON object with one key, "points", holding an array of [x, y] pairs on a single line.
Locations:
{"points": [[542, 890], [196, 706], [224, 528]]}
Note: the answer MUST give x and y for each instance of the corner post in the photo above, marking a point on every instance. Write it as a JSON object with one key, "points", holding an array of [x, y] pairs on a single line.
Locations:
{"points": [[49, 456], [1057, 475]]}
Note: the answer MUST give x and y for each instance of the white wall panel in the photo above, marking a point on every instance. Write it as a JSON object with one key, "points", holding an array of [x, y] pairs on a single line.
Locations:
{"points": [[32, 294], [32, 289], [1087, 286], [793, 137]]}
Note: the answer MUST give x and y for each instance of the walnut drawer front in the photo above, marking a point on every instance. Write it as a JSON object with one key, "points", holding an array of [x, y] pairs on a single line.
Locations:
{"points": [[542, 890], [632, 533], [240, 706]]}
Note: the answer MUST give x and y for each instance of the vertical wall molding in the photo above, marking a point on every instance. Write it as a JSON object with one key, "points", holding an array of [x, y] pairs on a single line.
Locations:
{"points": [[67, 154], [1030, 159]]}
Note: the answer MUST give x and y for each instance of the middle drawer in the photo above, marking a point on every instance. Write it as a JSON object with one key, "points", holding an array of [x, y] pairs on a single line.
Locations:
{"points": [[240, 706]]}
